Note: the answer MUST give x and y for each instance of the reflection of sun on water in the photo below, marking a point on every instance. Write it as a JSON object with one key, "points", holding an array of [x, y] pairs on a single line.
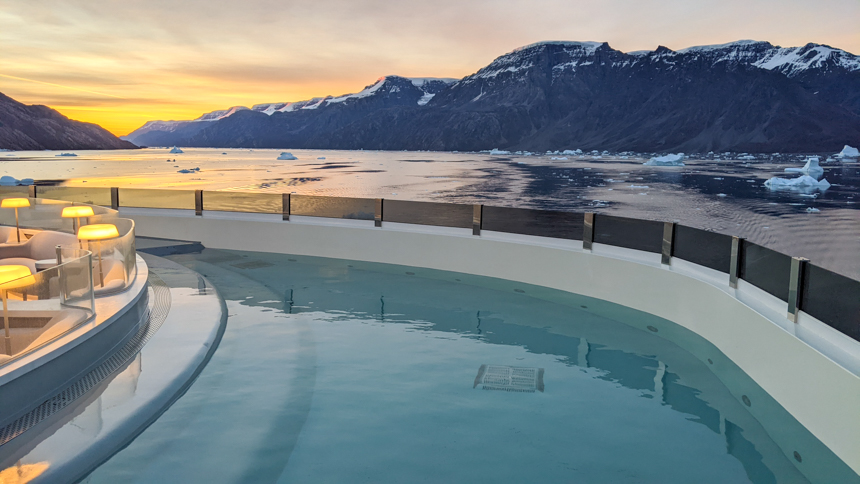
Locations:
{"points": [[21, 473]]}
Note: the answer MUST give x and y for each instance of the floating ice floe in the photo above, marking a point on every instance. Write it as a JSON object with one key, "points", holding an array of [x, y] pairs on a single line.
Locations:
{"points": [[66, 154], [175, 150], [803, 183], [848, 152], [192, 170], [10, 181], [559, 158], [496, 151], [812, 210], [572, 152], [320, 157], [666, 160], [286, 155], [810, 168]]}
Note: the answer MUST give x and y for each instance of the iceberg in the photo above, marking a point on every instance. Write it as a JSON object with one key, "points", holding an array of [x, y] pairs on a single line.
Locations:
{"points": [[810, 168], [802, 183], [11, 181], [176, 150], [496, 151], [667, 160], [572, 152], [848, 152], [286, 155]]}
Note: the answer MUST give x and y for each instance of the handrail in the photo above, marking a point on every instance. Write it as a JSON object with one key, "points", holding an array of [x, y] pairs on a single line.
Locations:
{"points": [[830, 297]]}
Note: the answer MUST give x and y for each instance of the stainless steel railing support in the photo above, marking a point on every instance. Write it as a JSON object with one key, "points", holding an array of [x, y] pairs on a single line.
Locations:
{"points": [[668, 241], [477, 211], [588, 231], [735, 263], [795, 287]]}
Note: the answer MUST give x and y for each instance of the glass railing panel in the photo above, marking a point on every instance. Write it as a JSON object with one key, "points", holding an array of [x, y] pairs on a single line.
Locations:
{"points": [[427, 213], [833, 299], [543, 223], [333, 207], [14, 192], [87, 195], [629, 233], [243, 202], [766, 269], [114, 260], [41, 307], [156, 198], [698, 246]]}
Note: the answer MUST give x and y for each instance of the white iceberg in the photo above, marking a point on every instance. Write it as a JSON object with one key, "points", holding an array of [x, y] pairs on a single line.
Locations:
{"points": [[667, 160], [286, 155], [496, 151], [810, 168], [848, 152], [176, 150], [572, 152], [803, 183], [8, 181]]}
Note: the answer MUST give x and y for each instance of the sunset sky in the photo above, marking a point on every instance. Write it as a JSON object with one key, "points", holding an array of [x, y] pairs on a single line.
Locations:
{"points": [[122, 63]]}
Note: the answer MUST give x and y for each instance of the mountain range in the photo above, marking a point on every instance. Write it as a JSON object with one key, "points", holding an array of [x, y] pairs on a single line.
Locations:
{"points": [[743, 96], [36, 127]]}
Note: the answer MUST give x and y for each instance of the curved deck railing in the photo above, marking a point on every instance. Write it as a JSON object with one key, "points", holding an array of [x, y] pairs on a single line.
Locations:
{"points": [[46, 305], [829, 297]]}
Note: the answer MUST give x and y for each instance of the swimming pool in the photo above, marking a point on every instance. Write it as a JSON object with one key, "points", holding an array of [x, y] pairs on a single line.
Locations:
{"points": [[339, 371]]}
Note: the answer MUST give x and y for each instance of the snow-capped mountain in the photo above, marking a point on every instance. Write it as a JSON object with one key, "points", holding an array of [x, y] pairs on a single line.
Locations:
{"points": [[384, 92], [744, 96]]}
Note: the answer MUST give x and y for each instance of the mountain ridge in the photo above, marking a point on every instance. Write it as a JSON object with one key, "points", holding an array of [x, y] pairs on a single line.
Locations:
{"points": [[741, 96], [38, 127]]}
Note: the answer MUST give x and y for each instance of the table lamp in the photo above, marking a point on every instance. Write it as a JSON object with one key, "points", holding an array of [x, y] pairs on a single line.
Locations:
{"points": [[98, 232], [15, 203], [11, 277], [75, 213]]}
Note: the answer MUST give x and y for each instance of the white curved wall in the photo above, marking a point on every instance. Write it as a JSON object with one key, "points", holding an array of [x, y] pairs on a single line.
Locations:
{"points": [[747, 325]]}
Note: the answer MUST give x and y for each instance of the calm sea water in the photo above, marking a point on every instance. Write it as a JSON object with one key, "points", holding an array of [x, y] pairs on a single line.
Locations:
{"points": [[723, 195]]}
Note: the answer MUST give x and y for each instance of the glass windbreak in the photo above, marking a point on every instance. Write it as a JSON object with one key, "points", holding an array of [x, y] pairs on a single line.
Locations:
{"points": [[833, 299], [113, 259], [333, 207], [88, 195], [766, 269], [156, 198], [629, 233], [7, 192], [427, 213], [44, 214], [708, 249], [543, 223], [243, 202], [48, 303]]}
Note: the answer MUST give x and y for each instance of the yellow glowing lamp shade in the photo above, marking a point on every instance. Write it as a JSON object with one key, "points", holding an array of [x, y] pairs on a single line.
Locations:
{"points": [[98, 232], [77, 211], [14, 203], [13, 276]]}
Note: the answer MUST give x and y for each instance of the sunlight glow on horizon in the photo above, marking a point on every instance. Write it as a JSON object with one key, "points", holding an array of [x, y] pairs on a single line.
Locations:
{"points": [[120, 64]]}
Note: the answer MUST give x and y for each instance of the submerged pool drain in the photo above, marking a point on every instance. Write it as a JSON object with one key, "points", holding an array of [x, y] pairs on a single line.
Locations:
{"points": [[509, 378]]}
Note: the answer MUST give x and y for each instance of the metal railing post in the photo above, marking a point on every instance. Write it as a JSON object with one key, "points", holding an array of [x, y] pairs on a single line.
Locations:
{"points": [[285, 205], [31, 191], [198, 202], [735, 264], [114, 198], [588, 231], [477, 213], [795, 287], [377, 213], [668, 243]]}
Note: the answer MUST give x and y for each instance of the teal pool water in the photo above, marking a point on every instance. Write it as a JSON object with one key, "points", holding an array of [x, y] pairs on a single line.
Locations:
{"points": [[339, 371]]}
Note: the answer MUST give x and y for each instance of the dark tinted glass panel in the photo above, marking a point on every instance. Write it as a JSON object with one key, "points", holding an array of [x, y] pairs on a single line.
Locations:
{"points": [[708, 249], [833, 299], [427, 213], [630, 233], [243, 202], [561, 225], [766, 269], [14, 192], [89, 195], [332, 207], [156, 198]]}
